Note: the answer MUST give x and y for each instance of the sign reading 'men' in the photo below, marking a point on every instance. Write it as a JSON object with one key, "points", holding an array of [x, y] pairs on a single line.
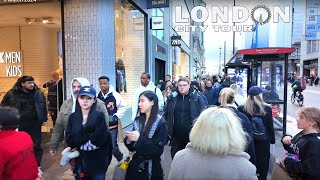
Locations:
{"points": [[11, 64]]}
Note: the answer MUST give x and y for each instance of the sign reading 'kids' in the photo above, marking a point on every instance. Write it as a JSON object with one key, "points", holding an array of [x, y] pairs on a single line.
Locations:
{"points": [[10, 64]]}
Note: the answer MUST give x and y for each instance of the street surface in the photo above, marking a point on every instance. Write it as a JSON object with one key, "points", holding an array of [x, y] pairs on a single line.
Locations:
{"points": [[53, 171]]}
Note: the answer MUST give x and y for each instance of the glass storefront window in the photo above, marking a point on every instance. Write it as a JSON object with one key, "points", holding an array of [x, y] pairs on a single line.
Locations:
{"points": [[129, 47]]}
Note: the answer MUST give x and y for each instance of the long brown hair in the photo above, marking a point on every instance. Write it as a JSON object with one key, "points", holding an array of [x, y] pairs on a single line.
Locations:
{"points": [[254, 105]]}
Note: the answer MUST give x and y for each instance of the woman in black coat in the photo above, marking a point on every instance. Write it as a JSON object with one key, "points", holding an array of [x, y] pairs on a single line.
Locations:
{"points": [[255, 105], [305, 146], [147, 140], [227, 99], [87, 132]]}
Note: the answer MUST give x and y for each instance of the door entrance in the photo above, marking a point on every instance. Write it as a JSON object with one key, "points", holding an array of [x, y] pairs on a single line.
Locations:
{"points": [[160, 67]]}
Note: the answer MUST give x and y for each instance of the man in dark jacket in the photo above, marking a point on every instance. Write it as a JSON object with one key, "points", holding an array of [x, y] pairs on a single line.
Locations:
{"points": [[183, 107], [30, 101], [55, 96]]}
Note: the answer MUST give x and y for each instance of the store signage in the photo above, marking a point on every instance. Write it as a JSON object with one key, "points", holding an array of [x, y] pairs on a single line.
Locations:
{"points": [[138, 24], [11, 64], [176, 41], [157, 23], [157, 4], [313, 20]]}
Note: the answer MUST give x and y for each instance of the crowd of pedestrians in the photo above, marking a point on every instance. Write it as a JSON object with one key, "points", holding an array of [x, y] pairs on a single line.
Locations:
{"points": [[208, 124]]}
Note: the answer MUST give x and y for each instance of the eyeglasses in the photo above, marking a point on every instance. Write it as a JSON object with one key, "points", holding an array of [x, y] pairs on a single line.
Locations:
{"points": [[182, 85]]}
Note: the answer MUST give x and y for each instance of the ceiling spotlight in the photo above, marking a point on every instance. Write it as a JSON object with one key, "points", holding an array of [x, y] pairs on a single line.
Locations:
{"points": [[47, 20], [28, 20]]}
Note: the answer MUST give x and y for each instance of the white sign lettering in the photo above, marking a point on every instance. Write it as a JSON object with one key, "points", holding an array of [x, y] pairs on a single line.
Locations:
{"points": [[12, 62]]}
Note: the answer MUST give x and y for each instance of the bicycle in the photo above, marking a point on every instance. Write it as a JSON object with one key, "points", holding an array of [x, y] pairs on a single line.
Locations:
{"points": [[299, 98]]}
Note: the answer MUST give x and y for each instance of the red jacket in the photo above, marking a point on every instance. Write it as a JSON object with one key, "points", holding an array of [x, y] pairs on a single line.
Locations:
{"points": [[17, 159]]}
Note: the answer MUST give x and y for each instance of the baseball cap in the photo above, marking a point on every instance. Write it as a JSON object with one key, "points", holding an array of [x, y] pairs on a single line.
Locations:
{"points": [[87, 91], [254, 91]]}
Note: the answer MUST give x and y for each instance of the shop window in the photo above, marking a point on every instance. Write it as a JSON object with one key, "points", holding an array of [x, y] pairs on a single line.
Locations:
{"points": [[130, 48], [312, 46], [159, 34]]}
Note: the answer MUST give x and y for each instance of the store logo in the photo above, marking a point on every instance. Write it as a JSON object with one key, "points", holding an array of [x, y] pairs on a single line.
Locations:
{"points": [[221, 19], [12, 60]]}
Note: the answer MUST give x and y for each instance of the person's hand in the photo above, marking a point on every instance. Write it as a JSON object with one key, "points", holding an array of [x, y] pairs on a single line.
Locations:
{"points": [[287, 140], [133, 135], [52, 152]]}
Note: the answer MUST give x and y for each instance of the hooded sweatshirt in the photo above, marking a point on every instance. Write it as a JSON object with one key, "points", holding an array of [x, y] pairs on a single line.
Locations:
{"points": [[83, 82], [140, 90], [67, 108], [114, 102]]}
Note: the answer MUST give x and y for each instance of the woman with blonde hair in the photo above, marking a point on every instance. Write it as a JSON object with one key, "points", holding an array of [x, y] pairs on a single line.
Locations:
{"points": [[304, 147], [227, 98], [208, 154], [256, 107]]}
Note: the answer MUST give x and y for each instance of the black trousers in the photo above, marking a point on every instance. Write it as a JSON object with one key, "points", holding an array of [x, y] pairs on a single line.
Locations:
{"points": [[177, 144], [262, 149], [54, 115], [33, 128]]}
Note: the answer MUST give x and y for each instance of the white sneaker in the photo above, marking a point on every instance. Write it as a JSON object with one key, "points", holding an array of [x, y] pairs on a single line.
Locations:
{"points": [[40, 173]]}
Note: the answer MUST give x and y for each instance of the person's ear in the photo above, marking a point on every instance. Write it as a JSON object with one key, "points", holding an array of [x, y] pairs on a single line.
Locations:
{"points": [[152, 103]]}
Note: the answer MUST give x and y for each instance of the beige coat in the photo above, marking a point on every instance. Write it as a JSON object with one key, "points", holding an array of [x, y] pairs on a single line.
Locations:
{"points": [[189, 164], [62, 121]]}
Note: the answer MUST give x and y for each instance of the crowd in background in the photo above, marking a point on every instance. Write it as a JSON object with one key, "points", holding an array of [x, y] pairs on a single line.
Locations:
{"points": [[208, 123]]}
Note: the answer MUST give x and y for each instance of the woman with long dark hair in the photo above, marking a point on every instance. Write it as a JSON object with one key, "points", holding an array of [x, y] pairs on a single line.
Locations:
{"points": [[147, 140]]}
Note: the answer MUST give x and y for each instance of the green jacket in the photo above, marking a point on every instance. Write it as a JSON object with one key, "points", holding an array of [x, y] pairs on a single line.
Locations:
{"points": [[62, 121]]}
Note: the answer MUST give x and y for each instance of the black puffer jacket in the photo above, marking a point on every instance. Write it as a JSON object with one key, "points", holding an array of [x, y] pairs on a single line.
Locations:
{"points": [[12, 99], [95, 130], [307, 147]]}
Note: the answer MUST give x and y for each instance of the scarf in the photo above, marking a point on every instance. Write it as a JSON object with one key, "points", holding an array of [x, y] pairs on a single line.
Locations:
{"points": [[137, 125]]}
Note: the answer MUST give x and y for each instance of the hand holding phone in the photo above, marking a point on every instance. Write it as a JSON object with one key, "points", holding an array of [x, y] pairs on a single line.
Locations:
{"points": [[133, 135]]}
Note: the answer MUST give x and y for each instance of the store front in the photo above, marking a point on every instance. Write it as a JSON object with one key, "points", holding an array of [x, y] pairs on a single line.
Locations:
{"points": [[130, 47], [30, 42], [181, 64], [310, 67]]}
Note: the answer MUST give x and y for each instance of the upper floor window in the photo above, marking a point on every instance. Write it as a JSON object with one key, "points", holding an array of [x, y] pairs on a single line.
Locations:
{"points": [[312, 46]]}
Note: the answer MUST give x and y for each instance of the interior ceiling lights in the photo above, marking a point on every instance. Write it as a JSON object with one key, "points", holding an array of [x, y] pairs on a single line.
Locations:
{"points": [[44, 20]]}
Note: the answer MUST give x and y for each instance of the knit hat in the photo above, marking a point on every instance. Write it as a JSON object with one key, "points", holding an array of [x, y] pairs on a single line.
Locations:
{"points": [[254, 91], [195, 83], [87, 91]]}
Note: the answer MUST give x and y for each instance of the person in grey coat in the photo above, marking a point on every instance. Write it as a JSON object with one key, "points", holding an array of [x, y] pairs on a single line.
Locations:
{"points": [[208, 156]]}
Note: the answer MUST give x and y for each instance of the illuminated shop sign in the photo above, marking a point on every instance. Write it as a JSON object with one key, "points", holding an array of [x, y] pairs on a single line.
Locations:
{"points": [[10, 64], [157, 4]]}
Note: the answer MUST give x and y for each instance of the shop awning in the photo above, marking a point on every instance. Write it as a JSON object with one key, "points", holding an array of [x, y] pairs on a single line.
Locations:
{"points": [[256, 55]]}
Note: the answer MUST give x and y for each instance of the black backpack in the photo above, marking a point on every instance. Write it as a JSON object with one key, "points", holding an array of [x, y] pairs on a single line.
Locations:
{"points": [[259, 129]]}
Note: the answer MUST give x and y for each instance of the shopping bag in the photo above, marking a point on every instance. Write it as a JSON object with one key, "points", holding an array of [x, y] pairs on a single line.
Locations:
{"points": [[121, 170], [278, 173], [119, 173]]}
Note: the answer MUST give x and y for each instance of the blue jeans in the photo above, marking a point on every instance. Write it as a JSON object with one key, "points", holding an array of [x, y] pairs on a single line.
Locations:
{"points": [[88, 176], [115, 148]]}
